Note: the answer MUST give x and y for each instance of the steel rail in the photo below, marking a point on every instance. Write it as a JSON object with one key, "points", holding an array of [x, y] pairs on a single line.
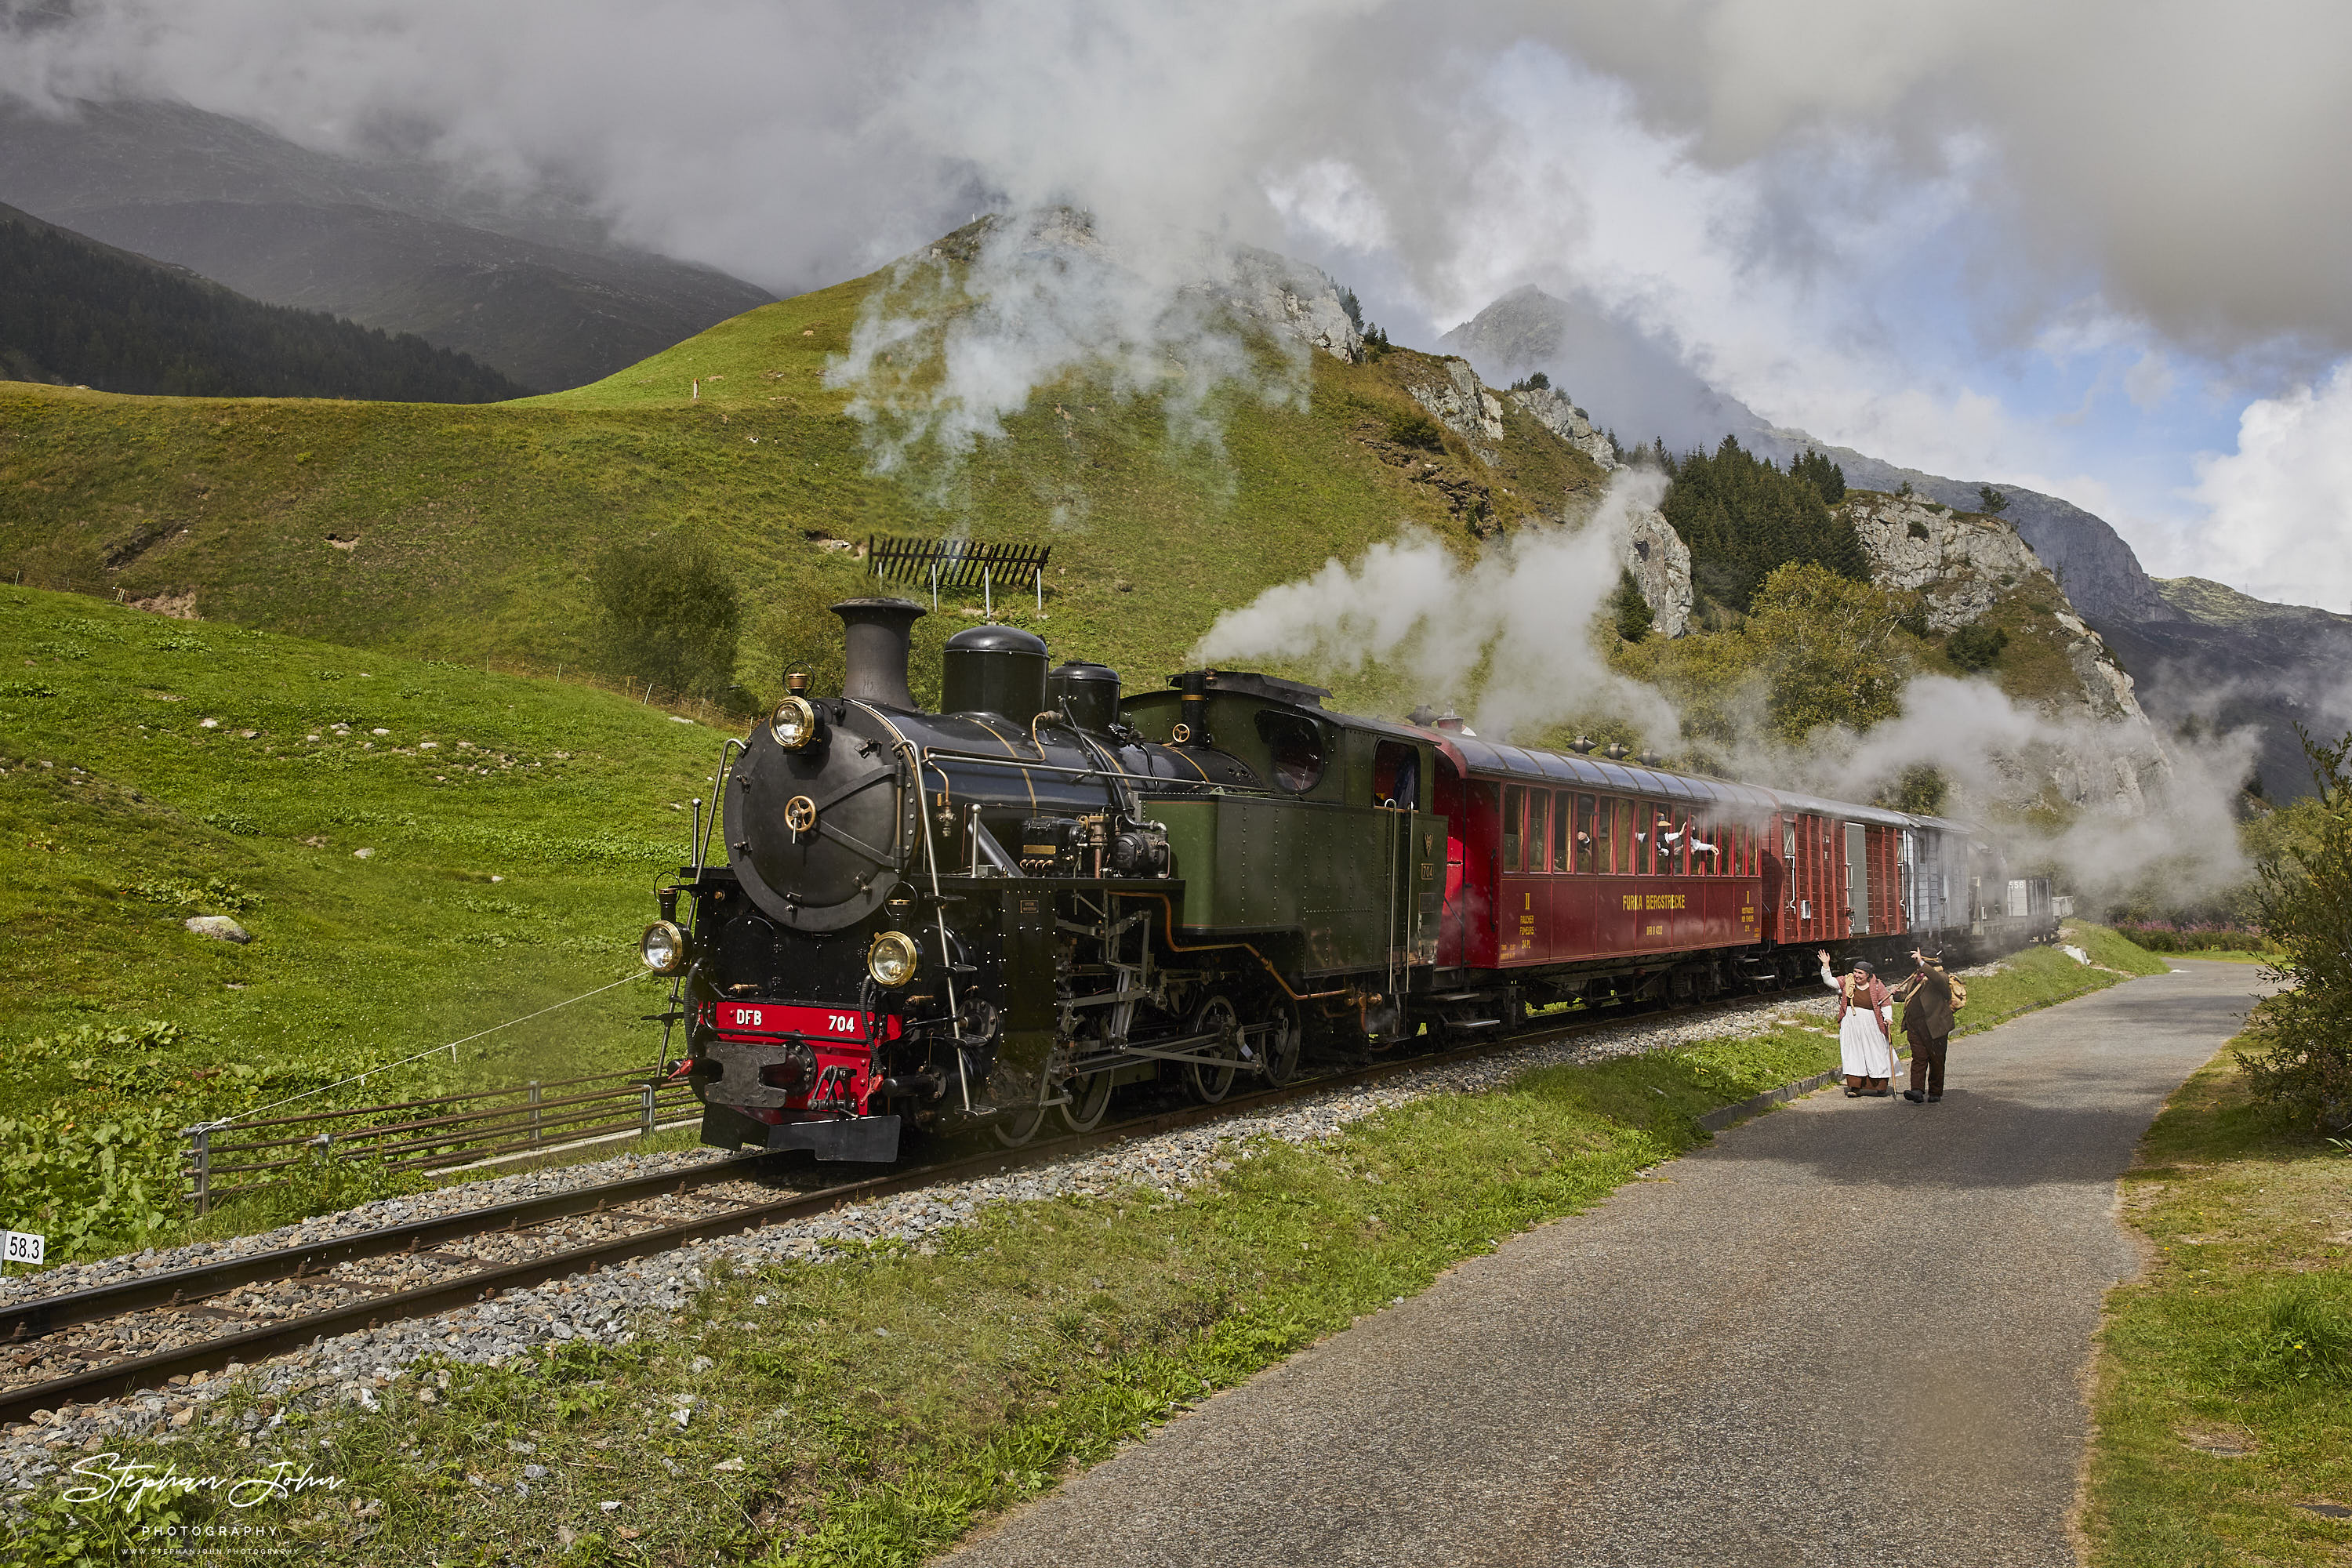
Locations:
{"points": [[127, 1377], [26, 1321]]}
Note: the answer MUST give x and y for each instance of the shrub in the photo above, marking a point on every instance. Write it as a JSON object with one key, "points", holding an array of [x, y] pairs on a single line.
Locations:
{"points": [[1632, 610], [668, 614], [2194, 938], [2299, 1054], [1921, 789], [1976, 646], [1829, 651], [1416, 429]]}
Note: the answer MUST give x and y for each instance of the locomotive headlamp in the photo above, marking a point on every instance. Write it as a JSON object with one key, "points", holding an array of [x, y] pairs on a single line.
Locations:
{"points": [[891, 959], [793, 723], [663, 948]]}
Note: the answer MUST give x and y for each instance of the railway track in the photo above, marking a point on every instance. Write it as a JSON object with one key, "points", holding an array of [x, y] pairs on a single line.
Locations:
{"points": [[139, 1333]]}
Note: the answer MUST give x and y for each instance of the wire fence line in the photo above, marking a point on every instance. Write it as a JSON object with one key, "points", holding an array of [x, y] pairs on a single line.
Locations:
{"points": [[433, 1133], [451, 1048]]}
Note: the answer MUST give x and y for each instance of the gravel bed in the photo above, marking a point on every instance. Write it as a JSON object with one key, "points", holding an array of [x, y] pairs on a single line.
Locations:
{"points": [[612, 1306]]}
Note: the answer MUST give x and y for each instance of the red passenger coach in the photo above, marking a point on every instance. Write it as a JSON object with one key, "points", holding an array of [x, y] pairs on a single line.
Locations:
{"points": [[1837, 871], [1574, 860]]}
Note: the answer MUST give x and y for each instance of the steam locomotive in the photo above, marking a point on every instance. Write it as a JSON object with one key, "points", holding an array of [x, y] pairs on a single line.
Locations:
{"points": [[1004, 911]]}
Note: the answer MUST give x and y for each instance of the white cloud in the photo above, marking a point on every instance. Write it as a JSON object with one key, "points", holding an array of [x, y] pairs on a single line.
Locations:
{"points": [[2149, 381], [2279, 509], [1331, 199]]}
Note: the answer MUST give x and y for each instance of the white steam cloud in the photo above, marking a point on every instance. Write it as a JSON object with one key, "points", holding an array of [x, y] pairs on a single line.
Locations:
{"points": [[954, 345], [1507, 635]]}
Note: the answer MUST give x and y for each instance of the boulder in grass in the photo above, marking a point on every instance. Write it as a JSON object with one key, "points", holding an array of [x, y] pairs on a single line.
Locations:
{"points": [[220, 928]]}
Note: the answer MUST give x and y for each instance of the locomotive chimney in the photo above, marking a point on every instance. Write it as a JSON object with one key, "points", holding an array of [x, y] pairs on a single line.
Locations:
{"points": [[876, 632]]}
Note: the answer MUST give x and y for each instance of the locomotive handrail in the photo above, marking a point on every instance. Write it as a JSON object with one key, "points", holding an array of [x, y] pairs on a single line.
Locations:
{"points": [[1030, 767]]}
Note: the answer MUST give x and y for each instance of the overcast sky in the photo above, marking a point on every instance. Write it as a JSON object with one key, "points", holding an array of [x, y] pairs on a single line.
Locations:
{"points": [[2100, 248]]}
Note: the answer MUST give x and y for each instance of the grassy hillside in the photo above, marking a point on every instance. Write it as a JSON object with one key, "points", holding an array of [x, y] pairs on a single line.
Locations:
{"points": [[419, 850], [469, 533]]}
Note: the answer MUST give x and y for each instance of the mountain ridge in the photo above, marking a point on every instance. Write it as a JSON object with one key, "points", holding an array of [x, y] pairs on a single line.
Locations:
{"points": [[537, 290], [79, 312]]}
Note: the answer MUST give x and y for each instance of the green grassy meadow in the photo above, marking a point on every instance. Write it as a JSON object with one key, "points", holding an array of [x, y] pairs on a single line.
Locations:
{"points": [[2225, 1370], [153, 769]]}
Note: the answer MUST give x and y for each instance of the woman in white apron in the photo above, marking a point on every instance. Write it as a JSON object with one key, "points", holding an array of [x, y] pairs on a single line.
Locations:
{"points": [[1865, 1025]]}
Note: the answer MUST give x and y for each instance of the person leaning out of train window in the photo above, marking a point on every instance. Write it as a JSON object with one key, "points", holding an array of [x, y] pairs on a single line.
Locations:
{"points": [[1865, 1028], [1927, 1001]]}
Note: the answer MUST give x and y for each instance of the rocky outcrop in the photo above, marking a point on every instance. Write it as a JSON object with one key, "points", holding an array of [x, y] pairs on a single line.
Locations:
{"points": [[1296, 299], [1462, 403], [1660, 563], [1552, 410], [1962, 564]]}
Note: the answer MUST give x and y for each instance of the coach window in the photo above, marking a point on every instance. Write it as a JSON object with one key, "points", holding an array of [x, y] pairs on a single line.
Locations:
{"points": [[1515, 807], [1585, 827], [1560, 852], [1620, 836], [1538, 828]]}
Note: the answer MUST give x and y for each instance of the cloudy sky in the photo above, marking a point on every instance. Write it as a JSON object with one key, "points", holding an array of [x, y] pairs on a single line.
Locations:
{"points": [[2102, 249]]}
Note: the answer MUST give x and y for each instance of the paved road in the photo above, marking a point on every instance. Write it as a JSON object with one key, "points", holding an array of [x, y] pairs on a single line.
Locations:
{"points": [[1854, 1331]]}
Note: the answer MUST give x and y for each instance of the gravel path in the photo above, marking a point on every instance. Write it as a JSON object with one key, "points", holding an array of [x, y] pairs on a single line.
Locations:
{"points": [[612, 1306]]}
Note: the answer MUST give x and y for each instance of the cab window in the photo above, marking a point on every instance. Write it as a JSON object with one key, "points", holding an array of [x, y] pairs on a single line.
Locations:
{"points": [[1296, 745]]}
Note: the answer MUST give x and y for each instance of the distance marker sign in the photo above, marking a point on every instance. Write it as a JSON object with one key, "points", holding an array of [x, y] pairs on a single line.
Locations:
{"points": [[23, 1246]]}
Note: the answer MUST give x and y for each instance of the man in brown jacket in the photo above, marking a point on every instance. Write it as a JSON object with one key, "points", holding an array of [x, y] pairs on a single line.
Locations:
{"points": [[1926, 998]]}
